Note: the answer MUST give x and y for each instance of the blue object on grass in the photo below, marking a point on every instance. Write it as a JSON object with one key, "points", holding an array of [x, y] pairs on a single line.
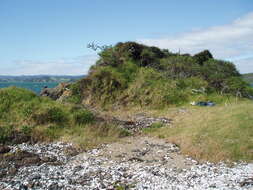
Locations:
{"points": [[209, 103]]}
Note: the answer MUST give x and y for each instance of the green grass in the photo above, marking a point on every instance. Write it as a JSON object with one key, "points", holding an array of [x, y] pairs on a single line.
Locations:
{"points": [[21, 111], [217, 133], [153, 127]]}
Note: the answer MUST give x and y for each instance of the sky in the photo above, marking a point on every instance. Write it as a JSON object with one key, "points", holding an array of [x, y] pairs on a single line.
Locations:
{"points": [[51, 36]]}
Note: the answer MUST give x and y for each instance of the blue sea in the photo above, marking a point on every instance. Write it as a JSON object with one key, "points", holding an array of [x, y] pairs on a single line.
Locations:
{"points": [[34, 86]]}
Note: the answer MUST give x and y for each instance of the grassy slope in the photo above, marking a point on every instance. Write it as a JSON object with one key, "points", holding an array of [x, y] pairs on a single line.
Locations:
{"points": [[217, 133], [21, 111]]}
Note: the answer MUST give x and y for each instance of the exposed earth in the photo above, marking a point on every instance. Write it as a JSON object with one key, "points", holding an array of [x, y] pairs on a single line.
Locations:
{"points": [[134, 163]]}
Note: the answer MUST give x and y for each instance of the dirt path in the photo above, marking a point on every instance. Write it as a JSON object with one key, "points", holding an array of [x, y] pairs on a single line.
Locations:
{"points": [[144, 150]]}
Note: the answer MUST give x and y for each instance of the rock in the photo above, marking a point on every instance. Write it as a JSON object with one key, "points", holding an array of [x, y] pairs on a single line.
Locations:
{"points": [[4, 149], [54, 186], [56, 92], [12, 171], [34, 177], [138, 123], [19, 138], [247, 182], [136, 159]]}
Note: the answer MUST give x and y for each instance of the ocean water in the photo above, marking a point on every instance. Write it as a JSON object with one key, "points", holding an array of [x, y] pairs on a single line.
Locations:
{"points": [[34, 86]]}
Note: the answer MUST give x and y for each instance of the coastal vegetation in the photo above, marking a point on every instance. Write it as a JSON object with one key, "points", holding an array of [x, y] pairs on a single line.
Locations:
{"points": [[132, 74], [129, 78], [26, 116]]}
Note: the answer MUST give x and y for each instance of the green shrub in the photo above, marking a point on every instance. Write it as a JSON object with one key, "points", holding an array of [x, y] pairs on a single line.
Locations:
{"points": [[83, 117], [179, 67], [53, 132], [124, 133], [203, 56], [215, 72], [76, 90], [153, 127], [5, 133], [237, 86], [27, 130], [157, 125], [50, 115]]}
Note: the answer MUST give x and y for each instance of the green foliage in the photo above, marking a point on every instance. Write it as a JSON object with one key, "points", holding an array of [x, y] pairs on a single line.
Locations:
{"points": [[130, 50], [11, 95], [25, 111], [27, 130], [215, 72], [132, 73], [50, 114], [109, 57], [83, 117], [5, 133], [153, 127], [179, 67], [53, 132], [237, 86], [124, 133], [76, 92], [192, 83], [203, 57]]}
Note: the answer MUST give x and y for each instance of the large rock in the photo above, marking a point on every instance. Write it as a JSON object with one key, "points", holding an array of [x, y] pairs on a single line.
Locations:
{"points": [[57, 92]]}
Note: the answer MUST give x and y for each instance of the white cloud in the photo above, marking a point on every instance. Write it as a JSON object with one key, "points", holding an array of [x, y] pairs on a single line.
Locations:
{"points": [[65, 66], [229, 41], [245, 65]]}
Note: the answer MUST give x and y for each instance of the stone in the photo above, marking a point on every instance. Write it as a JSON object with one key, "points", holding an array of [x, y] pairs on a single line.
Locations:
{"points": [[91, 170], [56, 92], [4, 149]]}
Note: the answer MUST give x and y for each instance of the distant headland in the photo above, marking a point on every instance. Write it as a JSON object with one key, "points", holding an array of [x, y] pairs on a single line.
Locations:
{"points": [[40, 78]]}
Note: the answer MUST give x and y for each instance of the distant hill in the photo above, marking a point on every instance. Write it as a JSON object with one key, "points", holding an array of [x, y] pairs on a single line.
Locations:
{"points": [[248, 78], [40, 78]]}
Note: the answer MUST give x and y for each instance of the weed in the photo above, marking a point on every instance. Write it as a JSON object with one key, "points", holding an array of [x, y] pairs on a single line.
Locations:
{"points": [[83, 117]]}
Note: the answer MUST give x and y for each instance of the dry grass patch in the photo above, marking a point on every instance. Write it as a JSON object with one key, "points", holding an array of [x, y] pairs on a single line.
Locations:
{"points": [[214, 133]]}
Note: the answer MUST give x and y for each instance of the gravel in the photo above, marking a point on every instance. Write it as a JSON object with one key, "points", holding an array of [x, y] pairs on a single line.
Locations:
{"points": [[90, 170]]}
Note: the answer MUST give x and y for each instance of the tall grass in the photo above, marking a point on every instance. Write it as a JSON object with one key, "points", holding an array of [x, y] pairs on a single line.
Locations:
{"points": [[216, 133]]}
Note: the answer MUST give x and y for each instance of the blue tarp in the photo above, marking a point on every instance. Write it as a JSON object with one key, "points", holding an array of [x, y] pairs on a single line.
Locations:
{"points": [[205, 103]]}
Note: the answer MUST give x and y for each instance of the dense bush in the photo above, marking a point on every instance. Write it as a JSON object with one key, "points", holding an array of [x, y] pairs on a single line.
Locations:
{"points": [[203, 57], [134, 73], [49, 114]]}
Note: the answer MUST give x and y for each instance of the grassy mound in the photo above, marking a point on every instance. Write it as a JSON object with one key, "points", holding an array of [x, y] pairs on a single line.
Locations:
{"points": [[133, 74], [42, 119]]}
